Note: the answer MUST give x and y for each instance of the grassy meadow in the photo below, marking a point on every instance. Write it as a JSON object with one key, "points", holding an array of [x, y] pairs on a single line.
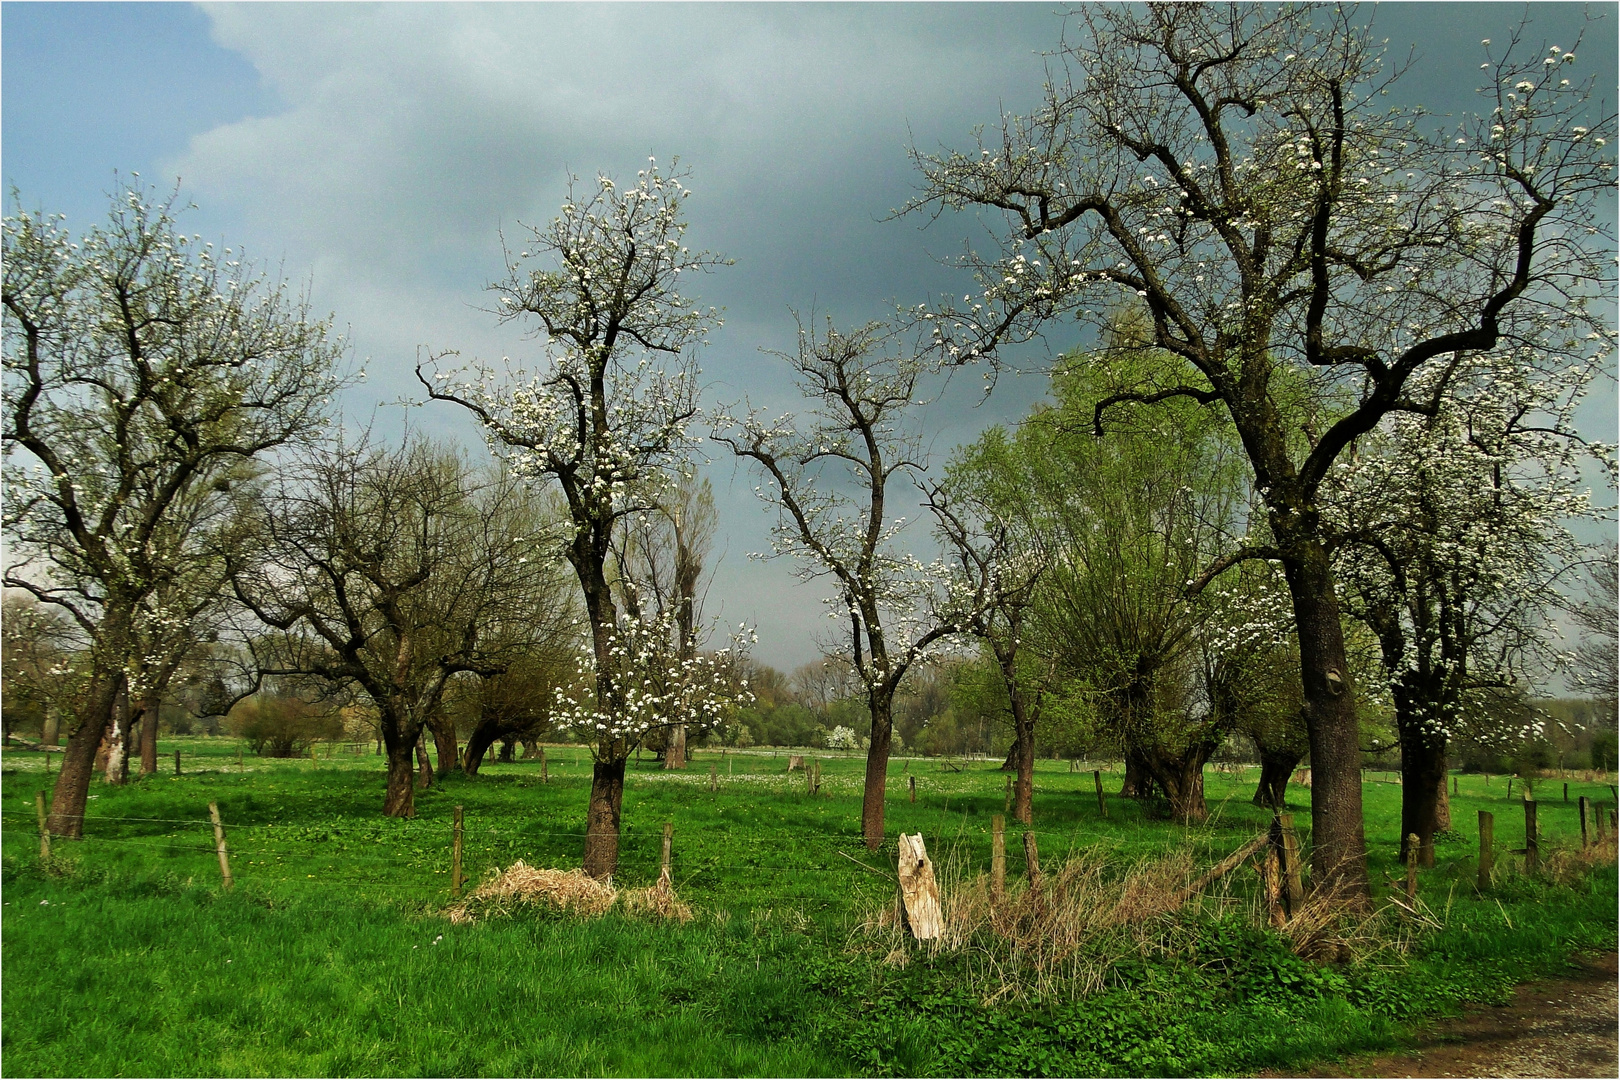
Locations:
{"points": [[333, 956]]}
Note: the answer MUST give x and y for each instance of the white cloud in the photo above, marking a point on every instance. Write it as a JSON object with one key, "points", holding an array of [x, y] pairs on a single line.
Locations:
{"points": [[414, 133]]}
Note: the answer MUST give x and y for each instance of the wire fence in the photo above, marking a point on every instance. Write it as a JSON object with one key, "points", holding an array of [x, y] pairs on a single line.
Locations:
{"points": [[759, 866], [727, 860]]}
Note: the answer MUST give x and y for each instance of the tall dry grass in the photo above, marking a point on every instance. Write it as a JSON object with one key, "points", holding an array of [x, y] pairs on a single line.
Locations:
{"points": [[1092, 913], [1062, 940]]}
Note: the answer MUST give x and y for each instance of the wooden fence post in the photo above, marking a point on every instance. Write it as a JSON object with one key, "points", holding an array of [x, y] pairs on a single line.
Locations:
{"points": [[455, 856], [238, 755], [998, 857], [177, 761], [1294, 884], [219, 842], [1532, 839], [1271, 883], [1412, 844], [1487, 842], [664, 877], [714, 777], [44, 827], [1102, 804], [1510, 787], [1006, 806], [1032, 857], [913, 780], [1454, 785], [1584, 805], [1566, 791], [545, 777]]}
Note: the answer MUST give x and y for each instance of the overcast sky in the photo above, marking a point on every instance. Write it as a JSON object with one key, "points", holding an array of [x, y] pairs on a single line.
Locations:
{"points": [[375, 152]]}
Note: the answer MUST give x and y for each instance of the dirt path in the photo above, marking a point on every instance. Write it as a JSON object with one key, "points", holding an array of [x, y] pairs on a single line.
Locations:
{"points": [[1560, 1027]]}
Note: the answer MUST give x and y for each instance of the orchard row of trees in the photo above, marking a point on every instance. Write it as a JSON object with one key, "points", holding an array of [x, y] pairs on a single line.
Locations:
{"points": [[1319, 458]]}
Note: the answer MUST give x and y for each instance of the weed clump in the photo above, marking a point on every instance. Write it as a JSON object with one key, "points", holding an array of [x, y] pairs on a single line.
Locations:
{"points": [[658, 902], [523, 887]]}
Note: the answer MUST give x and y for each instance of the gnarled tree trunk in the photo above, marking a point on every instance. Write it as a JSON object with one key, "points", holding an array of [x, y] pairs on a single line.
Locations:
{"points": [[399, 743], [1276, 768], [1138, 781], [1183, 782], [602, 819], [478, 743], [444, 746], [399, 799]]}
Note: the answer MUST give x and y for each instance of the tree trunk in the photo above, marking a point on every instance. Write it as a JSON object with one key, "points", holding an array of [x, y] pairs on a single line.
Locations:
{"points": [[1138, 782], [72, 788], [1010, 763], [531, 749], [1181, 777], [116, 770], [1276, 767], [104, 747], [149, 734], [444, 746], [400, 798], [602, 819], [1423, 778], [424, 767], [675, 750], [1442, 803], [877, 770], [507, 742], [1024, 745], [50, 734], [478, 743], [1339, 838]]}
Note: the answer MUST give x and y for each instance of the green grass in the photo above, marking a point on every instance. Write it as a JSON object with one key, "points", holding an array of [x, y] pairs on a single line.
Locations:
{"points": [[328, 957]]}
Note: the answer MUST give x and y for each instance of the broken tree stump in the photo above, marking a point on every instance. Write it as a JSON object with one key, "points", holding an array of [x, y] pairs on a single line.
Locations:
{"points": [[919, 892]]}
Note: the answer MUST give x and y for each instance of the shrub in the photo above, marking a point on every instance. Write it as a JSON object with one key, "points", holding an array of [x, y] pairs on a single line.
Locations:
{"points": [[281, 726]]}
